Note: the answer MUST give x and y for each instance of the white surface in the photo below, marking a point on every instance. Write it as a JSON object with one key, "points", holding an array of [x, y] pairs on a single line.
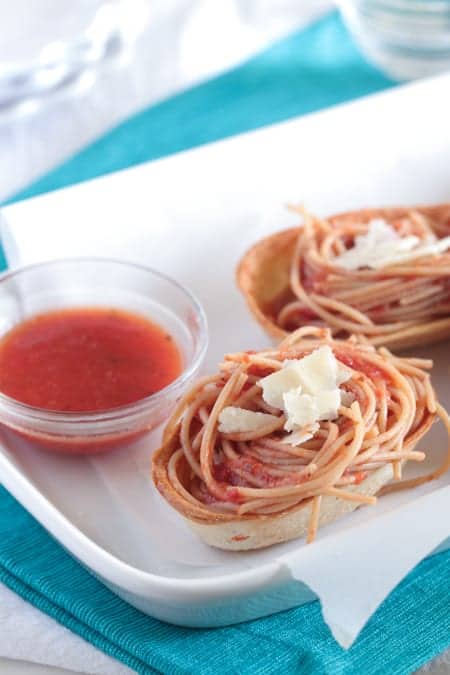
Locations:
{"points": [[19, 667], [237, 188], [23, 628]]}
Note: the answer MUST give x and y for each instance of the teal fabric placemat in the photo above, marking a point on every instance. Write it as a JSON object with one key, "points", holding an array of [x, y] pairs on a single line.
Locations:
{"points": [[411, 627], [309, 70]]}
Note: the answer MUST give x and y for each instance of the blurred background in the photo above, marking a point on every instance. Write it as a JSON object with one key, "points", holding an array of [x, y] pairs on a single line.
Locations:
{"points": [[70, 69]]}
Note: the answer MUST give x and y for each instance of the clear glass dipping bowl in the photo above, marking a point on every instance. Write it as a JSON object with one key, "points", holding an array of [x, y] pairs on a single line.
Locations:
{"points": [[101, 282], [406, 38]]}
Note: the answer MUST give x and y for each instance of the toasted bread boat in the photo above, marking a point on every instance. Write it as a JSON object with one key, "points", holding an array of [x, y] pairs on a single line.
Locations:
{"points": [[272, 277], [247, 488]]}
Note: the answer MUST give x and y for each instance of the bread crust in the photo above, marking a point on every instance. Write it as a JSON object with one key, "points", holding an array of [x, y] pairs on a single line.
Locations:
{"points": [[246, 532], [263, 275]]}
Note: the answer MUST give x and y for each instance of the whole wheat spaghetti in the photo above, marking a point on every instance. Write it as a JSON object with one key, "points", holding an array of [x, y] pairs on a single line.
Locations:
{"points": [[380, 304], [388, 404]]}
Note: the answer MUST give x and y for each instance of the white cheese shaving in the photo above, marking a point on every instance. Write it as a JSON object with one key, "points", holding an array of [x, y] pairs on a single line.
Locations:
{"points": [[233, 420], [275, 385], [306, 389], [301, 436], [303, 409], [318, 371], [382, 245]]}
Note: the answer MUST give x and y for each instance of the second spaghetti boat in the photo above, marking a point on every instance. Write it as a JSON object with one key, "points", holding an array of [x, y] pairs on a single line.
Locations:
{"points": [[380, 273]]}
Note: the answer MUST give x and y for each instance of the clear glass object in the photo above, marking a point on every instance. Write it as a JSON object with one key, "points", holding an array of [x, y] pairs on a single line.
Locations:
{"points": [[101, 282], [47, 44], [405, 38]]}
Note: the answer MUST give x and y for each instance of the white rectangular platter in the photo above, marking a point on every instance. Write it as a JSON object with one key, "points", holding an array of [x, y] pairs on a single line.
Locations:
{"points": [[192, 216]]}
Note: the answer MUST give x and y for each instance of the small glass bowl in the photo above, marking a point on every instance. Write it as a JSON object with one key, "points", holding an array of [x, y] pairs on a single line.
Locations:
{"points": [[101, 282]]}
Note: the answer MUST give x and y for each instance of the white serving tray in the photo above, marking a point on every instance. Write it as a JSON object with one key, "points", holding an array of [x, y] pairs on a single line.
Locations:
{"points": [[192, 216]]}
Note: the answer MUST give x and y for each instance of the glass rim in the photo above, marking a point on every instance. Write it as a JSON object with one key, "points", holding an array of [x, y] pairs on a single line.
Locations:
{"points": [[12, 405], [408, 6], [80, 44]]}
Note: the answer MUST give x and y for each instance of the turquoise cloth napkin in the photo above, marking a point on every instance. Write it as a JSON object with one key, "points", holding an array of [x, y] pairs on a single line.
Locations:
{"points": [[309, 70]]}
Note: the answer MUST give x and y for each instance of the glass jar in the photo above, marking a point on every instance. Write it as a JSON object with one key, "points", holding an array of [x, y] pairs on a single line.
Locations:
{"points": [[407, 39]]}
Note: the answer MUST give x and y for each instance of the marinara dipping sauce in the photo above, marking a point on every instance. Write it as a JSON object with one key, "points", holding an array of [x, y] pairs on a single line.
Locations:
{"points": [[86, 360]]}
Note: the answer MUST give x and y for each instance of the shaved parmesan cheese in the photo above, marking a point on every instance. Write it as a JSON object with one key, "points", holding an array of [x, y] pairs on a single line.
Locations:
{"points": [[306, 389], [234, 420], [275, 385], [301, 436], [382, 245], [303, 409], [318, 371], [328, 403]]}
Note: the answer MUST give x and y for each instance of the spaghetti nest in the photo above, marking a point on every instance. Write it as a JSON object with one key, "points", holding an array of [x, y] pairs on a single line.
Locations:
{"points": [[386, 304], [210, 476]]}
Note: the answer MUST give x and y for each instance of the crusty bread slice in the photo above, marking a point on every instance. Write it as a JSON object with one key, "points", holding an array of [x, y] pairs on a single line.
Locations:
{"points": [[246, 532], [263, 276], [260, 531]]}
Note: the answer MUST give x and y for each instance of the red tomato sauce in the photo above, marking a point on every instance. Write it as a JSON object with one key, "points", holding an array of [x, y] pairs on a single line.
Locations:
{"points": [[311, 279], [86, 359], [357, 362]]}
